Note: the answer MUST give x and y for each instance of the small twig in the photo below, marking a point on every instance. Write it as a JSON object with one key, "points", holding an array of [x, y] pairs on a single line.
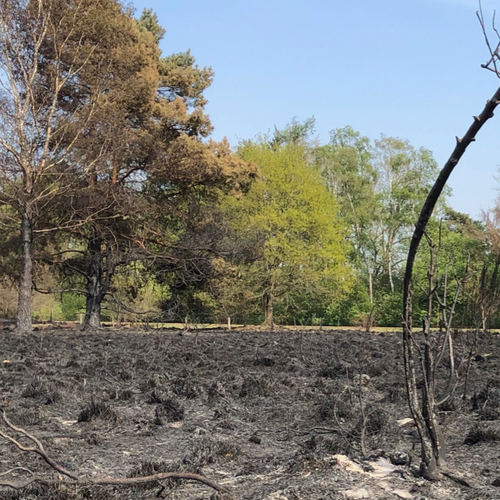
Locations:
{"points": [[494, 54], [17, 469]]}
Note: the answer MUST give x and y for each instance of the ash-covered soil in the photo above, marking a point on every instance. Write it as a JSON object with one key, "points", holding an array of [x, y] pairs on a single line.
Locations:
{"points": [[266, 415]]}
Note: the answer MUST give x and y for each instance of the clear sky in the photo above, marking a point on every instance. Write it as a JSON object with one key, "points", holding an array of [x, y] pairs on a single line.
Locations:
{"points": [[403, 68]]}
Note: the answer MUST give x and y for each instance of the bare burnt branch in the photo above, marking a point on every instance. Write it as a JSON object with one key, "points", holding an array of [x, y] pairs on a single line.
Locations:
{"points": [[494, 53], [105, 481], [423, 410]]}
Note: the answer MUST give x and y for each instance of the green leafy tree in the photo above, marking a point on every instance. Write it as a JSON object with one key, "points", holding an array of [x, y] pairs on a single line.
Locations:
{"points": [[346, 166], [149, 23], [293, 223], [294, 133], [380, 188]]}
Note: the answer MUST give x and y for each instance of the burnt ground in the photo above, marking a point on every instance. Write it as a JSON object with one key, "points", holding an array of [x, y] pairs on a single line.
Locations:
{"points": [[264, 414]]}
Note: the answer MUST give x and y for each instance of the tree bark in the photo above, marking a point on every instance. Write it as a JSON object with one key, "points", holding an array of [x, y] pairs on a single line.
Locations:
{"points": [[370, 287], [268, 309], [23, 318], [95, 291]]}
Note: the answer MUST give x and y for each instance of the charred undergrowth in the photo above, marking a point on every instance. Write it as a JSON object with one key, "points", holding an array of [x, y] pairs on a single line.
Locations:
{"points": [[241, 406]]}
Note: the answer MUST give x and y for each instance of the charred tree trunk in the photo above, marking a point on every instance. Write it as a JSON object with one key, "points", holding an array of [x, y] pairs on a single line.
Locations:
{"points": [[99, 274], [432, 445], [23, 318]]}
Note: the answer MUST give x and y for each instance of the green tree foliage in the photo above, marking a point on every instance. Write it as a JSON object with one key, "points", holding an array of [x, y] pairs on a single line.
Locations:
{"points": [[346, 166], [149, 22], [380, 188], [292, 221], [294, 133]]}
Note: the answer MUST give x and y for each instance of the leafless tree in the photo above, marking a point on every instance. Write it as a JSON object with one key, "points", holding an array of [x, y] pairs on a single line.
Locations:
{"points": [[419, 356]]}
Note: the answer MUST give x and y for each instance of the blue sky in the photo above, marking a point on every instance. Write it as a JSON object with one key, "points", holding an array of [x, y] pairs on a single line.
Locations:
{"points": [[403, 68]]}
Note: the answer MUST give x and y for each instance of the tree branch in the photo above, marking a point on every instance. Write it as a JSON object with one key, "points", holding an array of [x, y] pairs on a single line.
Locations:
{"points": [[105, 481]]}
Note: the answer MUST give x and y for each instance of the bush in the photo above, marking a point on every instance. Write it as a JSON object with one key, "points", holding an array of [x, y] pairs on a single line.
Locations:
{"points": [[168, 411], [97, 410], [478, 434], [72, 305], [210, 451]]}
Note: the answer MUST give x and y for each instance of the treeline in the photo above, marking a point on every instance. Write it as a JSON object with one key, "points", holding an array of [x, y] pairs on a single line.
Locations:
{"points": [[115, 204]]}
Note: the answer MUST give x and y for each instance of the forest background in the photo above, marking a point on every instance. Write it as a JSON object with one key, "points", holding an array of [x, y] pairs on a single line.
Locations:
{"points": [[116, 205]]}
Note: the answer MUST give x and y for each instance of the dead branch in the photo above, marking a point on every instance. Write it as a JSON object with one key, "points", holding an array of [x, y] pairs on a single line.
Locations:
{"points": [[38, 448], [423, 410], [161, 476], [105, 481], [494, 53]]}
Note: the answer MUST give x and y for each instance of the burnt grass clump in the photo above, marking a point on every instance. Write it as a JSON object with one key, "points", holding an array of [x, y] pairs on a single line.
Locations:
{"points": [[97, 410], [263, 413]]}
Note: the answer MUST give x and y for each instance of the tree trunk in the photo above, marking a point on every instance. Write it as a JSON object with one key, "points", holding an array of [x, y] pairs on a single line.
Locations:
{"points": [[431, 440], [370, 287], [268, 309], [23, 318], [389, 265], [95, 292]]}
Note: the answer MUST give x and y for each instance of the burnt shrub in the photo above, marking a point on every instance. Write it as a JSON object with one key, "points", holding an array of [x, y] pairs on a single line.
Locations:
{"points": [[338, 444], [396, 395], [488, 414], [97, 410], [252, 387], [168, 411], [125, 395], [316, 452], [489, 397], [61, 492], [333, 409], [185, 387], [94, 439], [210, 450], [448, 405], [478, 434], [264, 361], [37, 388], [157, 381], [376, 368], [215, 393], [335, 371], [376, 420], [125, 375], [41, 389], [52, 398], [29, 416], [158, 396], [149, 468]]}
